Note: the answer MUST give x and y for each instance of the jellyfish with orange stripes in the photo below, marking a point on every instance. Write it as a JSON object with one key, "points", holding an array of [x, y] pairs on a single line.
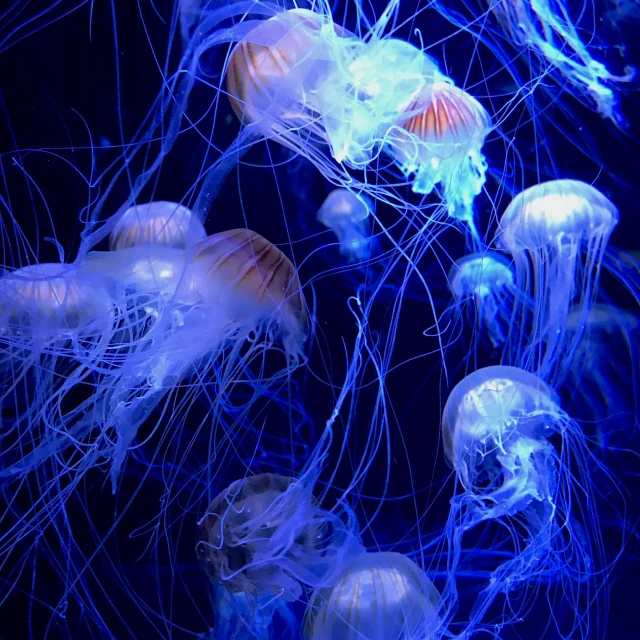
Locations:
{"points": [[439, 142]]}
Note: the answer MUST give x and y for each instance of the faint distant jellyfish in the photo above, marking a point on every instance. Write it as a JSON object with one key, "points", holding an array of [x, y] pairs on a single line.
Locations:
{"points": [[347, 215], [263, 539], [55, 326], [439, 141], [497, 427], [164, 223], [602, 386], [378, 596], [488, 279], [557, 233], [546, 27]]}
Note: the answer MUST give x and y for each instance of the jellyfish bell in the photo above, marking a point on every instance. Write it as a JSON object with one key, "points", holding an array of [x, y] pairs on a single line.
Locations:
{"points": [[165, 223], [439, 140], [498, 418], [264, 538], [560, 213], [378, 596], [52, 299], [276, 68], [557, 233], [347, 215], [248, 280], [368, 93]]}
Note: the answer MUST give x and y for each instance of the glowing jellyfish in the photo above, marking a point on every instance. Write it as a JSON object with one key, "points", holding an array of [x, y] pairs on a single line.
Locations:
{"points": [[165, 223], [545, 27], [206, 306], [557, 233], [378, 596], [347, 215], [486, 278], [263, 539], [55, 326], [440, 141], [499, 427]]}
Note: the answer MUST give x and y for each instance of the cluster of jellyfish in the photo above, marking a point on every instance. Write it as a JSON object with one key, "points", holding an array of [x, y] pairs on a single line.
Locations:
{"points": [[167, 363]]}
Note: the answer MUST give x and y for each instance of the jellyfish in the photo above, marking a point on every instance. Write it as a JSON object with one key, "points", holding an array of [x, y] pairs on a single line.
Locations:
{"points": [[56, 323], [556, 233], [378, 596], [165, 223], [487, 278], [203, 309], [546, 27], [347, 214], [522, 462], [261, 541], [439, 140]]}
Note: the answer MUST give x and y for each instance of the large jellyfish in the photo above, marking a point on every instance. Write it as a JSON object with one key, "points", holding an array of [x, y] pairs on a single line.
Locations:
{"points": [[520, 461], [347, 215], [261, 541], [488, 280], [557, 233], [378, 596], [547, 28]]}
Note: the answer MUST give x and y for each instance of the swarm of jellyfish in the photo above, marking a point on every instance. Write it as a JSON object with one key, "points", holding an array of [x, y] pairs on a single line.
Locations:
{"points": [[318, 321]]}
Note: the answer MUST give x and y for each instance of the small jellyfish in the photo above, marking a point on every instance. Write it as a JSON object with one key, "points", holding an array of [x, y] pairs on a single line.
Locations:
{"points": [[486, 278], [378, 596], [165, 223], [557, 233], [264, 538], [347, 214], [439, 141], [499, 427]]}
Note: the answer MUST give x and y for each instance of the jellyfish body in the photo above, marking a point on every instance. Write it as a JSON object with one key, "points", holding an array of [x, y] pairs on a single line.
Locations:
{"points": [[486, 278], [263, 539], [160, 222], [198, 308], [440, 141], [546, 27], [378, 596], [556, 233], [347, 215], [56, 323], [497, 428]]}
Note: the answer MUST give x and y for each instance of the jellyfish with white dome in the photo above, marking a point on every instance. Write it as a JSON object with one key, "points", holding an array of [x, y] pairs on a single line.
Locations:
{"points": [[261, 541], [378, 596], [557, 233], [523, 464]]}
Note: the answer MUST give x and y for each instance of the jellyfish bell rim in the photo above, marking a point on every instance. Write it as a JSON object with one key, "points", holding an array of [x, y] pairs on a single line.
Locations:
{"points": [[526, 224], [452, 410]]}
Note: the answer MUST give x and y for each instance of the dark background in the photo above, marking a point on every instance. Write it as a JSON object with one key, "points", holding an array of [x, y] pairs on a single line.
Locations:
{"points": [[76, 86]]}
